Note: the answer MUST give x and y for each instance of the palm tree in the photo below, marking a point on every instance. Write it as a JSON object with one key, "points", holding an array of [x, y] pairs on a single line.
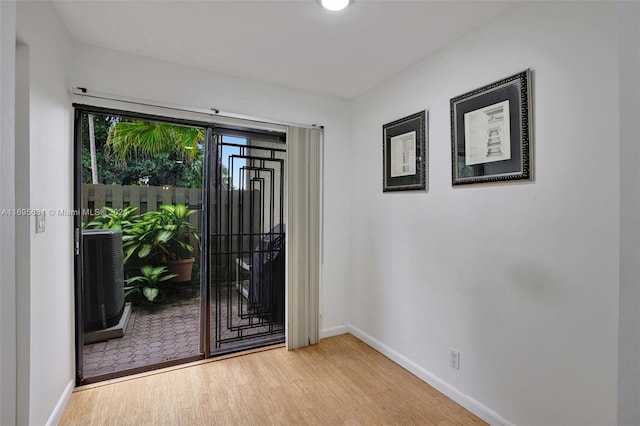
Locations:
{"points": [[92, 151], [150, 138]]}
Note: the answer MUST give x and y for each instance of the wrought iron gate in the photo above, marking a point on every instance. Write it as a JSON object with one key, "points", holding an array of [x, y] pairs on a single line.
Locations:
{"points": [[247, 257]]}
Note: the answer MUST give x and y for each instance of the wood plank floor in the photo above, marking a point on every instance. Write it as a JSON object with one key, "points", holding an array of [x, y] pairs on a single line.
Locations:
{"points": [[341, 381]]}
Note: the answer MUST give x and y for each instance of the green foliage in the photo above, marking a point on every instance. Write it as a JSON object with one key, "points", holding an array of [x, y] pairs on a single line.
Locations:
{"points": [[101, 125], [161, 235], [147, 282], [114, 219], [180, 165], [154, 237], [151, 138]]}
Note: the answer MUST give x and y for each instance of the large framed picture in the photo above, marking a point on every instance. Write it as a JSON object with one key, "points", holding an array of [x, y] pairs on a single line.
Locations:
{"points": [[490, 132], [404, 152]]}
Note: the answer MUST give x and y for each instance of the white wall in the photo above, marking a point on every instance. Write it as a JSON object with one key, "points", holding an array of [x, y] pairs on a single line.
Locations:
{"points": [[8, 336], [50, 310], [522, 279], [135, 76], [629, 336], [23, 232]]}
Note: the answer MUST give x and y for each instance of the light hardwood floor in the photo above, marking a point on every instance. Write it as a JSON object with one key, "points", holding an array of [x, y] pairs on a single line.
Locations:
{"points": [[340, 381]]}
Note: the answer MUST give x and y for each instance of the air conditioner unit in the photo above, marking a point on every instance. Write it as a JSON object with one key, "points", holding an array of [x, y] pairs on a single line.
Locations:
{"points": [[103, 278]]}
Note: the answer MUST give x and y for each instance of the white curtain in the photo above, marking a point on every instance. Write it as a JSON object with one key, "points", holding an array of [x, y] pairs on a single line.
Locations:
{"points": [[304, 231]]}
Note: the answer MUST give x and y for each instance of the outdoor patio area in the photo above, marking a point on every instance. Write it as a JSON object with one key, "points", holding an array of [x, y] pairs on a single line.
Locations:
{"points": [[161, 332], [155, 333]]}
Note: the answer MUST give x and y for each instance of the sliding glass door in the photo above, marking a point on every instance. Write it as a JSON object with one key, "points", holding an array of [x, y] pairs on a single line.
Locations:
{"points": [[139, 234], [180, 241]]}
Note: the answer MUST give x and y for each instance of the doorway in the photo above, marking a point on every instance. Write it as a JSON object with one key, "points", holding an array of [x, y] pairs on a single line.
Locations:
{"points": [[139, 192], [150, 190]]}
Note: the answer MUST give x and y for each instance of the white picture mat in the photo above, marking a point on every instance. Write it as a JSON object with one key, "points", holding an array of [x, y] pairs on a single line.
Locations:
{"points": [[403, 154], [487, 135]]}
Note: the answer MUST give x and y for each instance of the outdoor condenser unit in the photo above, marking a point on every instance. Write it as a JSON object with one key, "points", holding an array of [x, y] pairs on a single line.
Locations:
{"points": [[103, 278]]}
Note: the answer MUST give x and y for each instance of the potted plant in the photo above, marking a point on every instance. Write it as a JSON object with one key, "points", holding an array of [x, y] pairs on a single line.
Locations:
{"points": [[147, 282], [114, 219], [163, 236]]}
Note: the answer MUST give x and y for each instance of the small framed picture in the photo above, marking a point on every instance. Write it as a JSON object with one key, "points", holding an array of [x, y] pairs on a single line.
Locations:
{"points": [[490, 132], [404, 153]]}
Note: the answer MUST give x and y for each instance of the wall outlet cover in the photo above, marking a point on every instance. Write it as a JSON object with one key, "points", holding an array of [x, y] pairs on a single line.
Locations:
{"points": [[454, 359]]}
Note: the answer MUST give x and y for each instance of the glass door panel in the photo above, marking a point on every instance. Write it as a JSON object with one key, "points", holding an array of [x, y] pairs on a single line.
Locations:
{"points": [[141, 215], [247, 243]]}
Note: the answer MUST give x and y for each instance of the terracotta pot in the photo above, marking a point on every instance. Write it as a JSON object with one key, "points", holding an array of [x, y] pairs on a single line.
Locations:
{"points": [[182, 267]]}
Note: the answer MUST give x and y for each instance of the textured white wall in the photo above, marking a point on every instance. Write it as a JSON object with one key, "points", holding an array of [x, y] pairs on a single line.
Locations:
{"points": [[8, 337], [521, 278], [135, 76], [50, 310]]}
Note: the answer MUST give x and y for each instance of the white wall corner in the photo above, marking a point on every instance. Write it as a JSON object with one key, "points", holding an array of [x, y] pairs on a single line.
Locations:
{"points": [[57, 412], [333, 331], [431, 379], [447, 266]]}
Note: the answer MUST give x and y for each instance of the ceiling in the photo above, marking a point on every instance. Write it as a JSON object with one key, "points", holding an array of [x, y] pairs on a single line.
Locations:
{"points": [[291, 43]]}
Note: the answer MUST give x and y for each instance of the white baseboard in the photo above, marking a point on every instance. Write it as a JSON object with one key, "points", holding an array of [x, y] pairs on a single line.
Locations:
{"points": [[57, 412], [440, 385], [333, 331]]}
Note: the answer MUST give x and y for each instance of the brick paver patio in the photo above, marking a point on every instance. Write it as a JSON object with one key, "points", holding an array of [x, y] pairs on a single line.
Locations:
{"points": [[155, 333], [160, 332]]}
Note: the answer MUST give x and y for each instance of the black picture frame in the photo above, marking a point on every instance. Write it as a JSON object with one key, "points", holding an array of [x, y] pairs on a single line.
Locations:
{"points": [[404, 153], [491, 132]]}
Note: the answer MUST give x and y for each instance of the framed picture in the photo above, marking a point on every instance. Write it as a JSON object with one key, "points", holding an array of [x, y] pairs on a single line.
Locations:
{"points": [[490, 132], [404, 153]]}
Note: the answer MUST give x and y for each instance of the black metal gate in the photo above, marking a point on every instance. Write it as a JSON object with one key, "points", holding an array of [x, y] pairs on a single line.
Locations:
{"points": [[247, 244]]}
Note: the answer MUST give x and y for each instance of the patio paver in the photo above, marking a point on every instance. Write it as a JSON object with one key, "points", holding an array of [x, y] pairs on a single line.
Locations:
{"points": [[155, 333], [160, 332]]}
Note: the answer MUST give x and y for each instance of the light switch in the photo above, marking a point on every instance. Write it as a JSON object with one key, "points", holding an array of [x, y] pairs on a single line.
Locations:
{"points": [[40, 221]]}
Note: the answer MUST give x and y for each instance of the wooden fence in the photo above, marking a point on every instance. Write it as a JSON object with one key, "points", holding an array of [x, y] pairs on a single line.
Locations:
{"points": [[238, 236], [145, 198]]}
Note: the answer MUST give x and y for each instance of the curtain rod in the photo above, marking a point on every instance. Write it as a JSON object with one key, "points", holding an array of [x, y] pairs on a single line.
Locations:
{"points": [[212, 112]]}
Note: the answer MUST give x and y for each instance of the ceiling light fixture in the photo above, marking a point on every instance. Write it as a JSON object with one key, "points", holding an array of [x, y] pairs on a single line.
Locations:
{"points": [[335, 5]]}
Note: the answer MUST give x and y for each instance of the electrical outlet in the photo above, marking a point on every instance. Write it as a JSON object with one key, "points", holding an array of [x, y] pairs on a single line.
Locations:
{"points": [[454, 359]]}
